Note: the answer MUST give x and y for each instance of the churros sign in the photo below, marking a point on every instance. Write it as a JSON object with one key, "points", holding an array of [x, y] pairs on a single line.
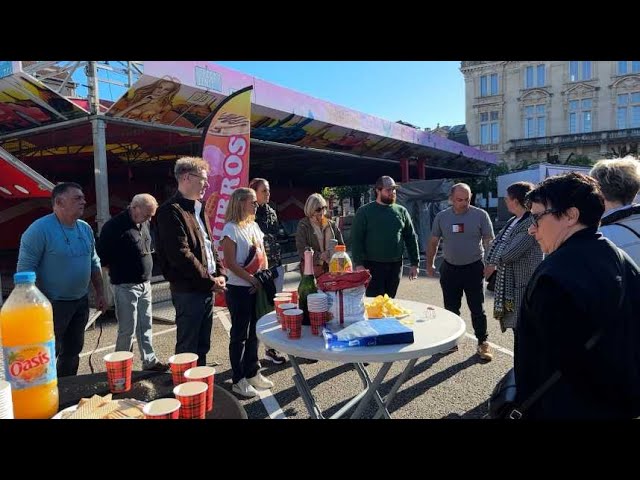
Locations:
{"points": [[226, 150]]}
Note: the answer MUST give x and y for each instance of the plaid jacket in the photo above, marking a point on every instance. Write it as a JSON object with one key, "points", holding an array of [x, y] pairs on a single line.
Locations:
{"points": [[518, 259]]}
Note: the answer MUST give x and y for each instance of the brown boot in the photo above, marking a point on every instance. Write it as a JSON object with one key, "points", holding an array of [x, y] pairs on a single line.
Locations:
{"points": [[484, 351]]}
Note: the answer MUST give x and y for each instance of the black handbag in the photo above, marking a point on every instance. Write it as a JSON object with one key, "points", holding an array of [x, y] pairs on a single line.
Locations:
{"points": [[503, 398]]}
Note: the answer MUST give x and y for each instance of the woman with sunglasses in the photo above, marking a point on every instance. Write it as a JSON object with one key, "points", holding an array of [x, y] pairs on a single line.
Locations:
{"points": [[513, 256], [316, 231], [244, 255]]}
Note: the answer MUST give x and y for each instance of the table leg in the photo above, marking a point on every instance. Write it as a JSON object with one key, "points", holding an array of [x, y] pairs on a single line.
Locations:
{"points": [[396, 386], [305, 391], [372, 390], [366, 380]]}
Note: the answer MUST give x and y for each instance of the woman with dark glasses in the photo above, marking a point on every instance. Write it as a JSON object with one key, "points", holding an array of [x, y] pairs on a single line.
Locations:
{"points": [[315, 230]]}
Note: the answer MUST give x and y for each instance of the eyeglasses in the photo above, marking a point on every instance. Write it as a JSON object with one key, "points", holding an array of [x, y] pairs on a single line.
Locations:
{"points": [[537, 216], [320, 209], [204, 179]]}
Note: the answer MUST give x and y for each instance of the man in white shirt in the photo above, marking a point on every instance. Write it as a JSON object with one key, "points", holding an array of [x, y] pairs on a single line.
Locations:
{"points": [[619, 180]]}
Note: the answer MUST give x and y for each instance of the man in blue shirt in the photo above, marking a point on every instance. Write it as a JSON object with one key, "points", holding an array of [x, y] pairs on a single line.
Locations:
{"points": [[60, 248]]}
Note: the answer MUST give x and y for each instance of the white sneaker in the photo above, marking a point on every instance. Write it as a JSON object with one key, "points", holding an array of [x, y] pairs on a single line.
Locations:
{"points": [[260, 381], [244, 388]]}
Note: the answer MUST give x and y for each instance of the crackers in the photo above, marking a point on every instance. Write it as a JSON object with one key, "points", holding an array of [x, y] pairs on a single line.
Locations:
{"points": [[98, 407]]}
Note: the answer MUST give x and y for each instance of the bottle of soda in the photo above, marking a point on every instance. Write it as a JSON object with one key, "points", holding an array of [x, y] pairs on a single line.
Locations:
{"points": [[340, 261], [307, 285], [28, 348]]}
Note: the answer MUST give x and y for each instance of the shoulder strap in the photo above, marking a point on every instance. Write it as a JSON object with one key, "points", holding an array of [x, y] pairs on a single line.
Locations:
{"points": [[625, 226]]}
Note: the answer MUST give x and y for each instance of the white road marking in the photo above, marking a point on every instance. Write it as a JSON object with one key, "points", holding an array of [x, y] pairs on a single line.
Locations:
{"points": [[109, 347], [496, 347]]}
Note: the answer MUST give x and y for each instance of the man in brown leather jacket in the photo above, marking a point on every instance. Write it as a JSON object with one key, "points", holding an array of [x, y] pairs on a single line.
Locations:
{"points": [[188, 258]]}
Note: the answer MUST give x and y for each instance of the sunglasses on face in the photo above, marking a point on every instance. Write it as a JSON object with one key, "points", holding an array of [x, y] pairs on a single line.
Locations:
{"points": [[537, 216], [254, 203], [321, 209]]}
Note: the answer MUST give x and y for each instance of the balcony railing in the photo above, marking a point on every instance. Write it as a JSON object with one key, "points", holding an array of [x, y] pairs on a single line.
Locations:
{"points": [[574, 139]]}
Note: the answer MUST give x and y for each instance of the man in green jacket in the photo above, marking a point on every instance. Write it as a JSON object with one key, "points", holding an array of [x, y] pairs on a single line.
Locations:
{"points": [[378, 233]]}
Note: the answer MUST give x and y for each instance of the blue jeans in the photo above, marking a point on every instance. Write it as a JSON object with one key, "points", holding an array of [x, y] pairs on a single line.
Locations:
{"points": [[133, 311], [194, 320], [243, 344], [69, 319]]}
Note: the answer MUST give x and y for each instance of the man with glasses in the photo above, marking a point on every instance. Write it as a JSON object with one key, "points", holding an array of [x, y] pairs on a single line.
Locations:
{"points": [[125, 248], [188, 259], [60, 248], [380, 230], [464, 230]]}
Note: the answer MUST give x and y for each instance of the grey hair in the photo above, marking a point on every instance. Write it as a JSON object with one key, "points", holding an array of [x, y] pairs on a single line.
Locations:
{"points": [[189, 165], [619, 178], [459, 185], [144, 200], [314, 201]]}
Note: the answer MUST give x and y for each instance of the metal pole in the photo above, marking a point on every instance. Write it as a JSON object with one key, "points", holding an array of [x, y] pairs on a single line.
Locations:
{"points": [[98, 128]]}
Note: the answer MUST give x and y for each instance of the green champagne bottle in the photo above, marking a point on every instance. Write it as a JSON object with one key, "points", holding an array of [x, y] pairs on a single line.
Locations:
{"points": [[307, 285]]}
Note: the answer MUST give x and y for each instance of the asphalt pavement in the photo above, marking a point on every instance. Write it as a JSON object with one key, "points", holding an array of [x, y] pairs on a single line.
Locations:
{"points": [[450, 386]]}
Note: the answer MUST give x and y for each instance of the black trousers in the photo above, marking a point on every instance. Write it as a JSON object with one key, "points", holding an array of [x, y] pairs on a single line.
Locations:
{"points": [[69, 319], [243, 344], [194, 321], [385, 277], [456, 279]]}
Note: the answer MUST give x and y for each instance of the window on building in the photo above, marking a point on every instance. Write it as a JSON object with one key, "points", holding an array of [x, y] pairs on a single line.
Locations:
{"points": [[489, 128], [534, 76], [534, 121], [628, 67], [579, 71], [580, 120], [628, 110], [489, 85]]}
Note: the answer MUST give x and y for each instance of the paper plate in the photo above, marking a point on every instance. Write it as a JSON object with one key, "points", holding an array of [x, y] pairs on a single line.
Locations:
{"points": [[58, 416]]}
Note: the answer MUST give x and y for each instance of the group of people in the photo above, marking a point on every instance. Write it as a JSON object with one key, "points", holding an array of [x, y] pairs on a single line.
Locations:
{"points": [[559, 280]]}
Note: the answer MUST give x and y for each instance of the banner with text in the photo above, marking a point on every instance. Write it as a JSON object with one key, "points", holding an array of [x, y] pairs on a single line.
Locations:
{"points": [[226, 150]]}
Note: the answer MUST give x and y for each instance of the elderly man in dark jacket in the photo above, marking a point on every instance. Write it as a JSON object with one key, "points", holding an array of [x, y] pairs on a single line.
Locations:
{"points": [[188, 258], [577, 317]]}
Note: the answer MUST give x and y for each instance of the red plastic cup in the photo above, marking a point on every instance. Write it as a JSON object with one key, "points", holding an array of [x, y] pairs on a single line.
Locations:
{"points": [[206, 375], [294, 295], [277, 301], [162, 409], [193, 399], [180, 363], [284, 307], [317, 320], [293, 319], [119, 367]]}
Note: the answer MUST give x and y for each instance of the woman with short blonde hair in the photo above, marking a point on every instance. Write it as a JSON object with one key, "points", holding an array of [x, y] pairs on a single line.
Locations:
{"points": [[315, 230]]}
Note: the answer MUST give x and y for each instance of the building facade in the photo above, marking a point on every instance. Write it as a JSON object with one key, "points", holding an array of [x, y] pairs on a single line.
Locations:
{"points": [[549, 111]]}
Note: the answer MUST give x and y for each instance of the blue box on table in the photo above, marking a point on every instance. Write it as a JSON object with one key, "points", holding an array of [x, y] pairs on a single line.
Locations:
{"points": [[368, 333]]}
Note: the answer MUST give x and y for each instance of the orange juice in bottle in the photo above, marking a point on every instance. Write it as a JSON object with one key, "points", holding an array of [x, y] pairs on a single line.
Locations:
{"points": [[28, 347]]}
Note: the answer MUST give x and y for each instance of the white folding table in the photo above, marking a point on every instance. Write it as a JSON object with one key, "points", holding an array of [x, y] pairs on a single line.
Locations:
{"points": [[431, 336]]}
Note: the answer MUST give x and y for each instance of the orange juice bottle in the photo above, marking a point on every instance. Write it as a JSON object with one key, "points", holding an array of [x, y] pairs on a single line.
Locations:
{"points": [[28, 347]]}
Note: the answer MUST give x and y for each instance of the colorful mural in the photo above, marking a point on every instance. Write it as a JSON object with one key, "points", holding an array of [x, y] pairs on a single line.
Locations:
{"points": [[27, 103]]}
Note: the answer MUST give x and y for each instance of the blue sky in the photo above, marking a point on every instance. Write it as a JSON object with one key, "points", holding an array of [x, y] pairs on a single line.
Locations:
{"points": [[421, 93]]}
